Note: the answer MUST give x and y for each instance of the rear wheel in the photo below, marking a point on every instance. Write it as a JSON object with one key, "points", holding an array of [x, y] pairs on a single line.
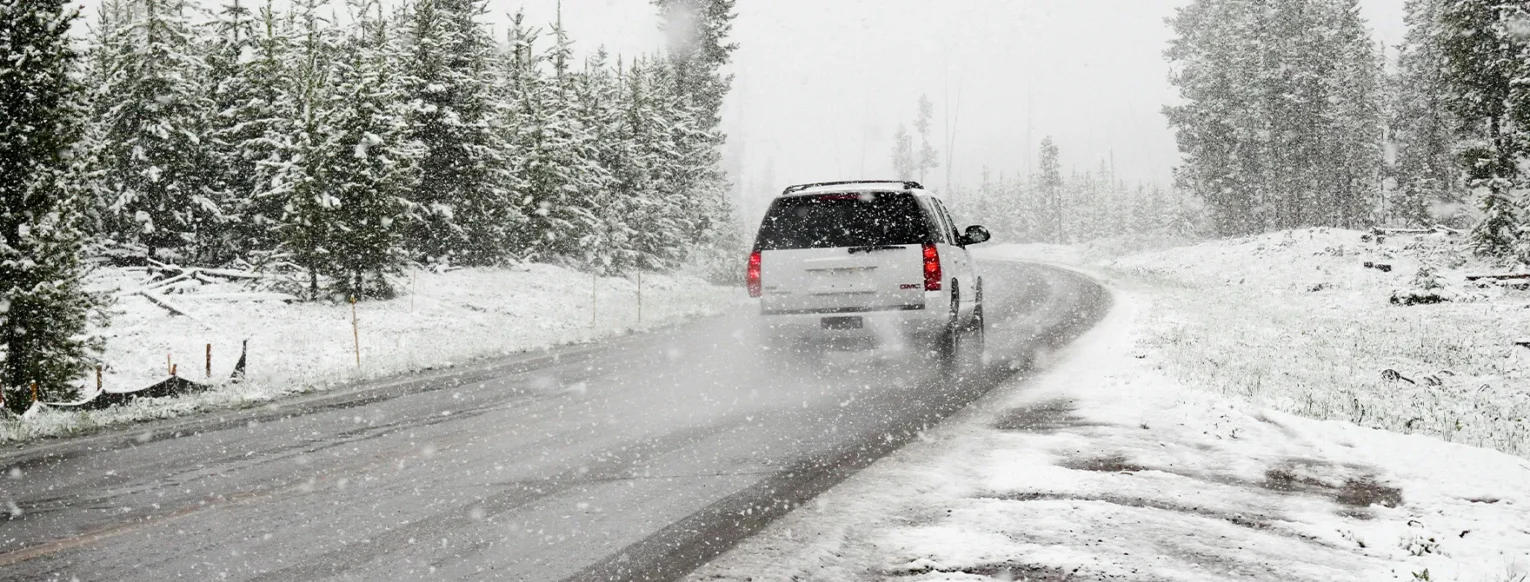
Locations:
{"points": [[978, 329], [949, 345]]}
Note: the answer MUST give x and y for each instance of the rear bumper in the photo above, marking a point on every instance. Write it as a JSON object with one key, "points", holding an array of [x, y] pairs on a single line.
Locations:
{"points": [[855, 327], [843, 310]]}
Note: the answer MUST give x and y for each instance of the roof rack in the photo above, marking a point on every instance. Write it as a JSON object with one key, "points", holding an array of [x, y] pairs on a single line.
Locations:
{"points": [[907, 185]]}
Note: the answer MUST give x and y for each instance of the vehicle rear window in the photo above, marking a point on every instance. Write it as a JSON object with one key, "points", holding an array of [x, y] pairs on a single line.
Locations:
{"points": [[842, 220]]}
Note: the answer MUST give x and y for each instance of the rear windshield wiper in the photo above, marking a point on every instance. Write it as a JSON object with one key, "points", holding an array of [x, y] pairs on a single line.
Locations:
{"points": [[874, 248]]}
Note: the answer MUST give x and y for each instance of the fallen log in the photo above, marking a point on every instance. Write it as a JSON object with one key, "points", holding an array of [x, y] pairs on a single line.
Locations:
{"points": [[252, 296], [232, 274], [1392, 231], [156, 285], [1440, 228], [173, 308], [1503, 277]]}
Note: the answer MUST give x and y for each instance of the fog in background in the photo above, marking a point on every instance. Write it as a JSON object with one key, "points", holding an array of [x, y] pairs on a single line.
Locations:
{"points": [[821, 85]]}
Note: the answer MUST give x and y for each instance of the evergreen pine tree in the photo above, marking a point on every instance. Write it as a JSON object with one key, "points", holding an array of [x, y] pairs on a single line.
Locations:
{"points": [[927, 159], [252, 112], [152, 136], [1352, 122], [555, 161], [374, 168], [1050, 187], [44, 309], [304, 180], [697, 31], [1280, 122], [465, 205], [903, 154], [599, 107], [1422, 129], [1481, 62]]}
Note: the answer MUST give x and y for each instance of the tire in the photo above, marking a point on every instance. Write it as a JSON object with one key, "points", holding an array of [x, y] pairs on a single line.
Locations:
{"points": [[949, 346], [978, 328]]}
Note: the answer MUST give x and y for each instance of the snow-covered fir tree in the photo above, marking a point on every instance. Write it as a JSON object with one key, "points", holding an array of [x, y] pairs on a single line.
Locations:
{"points": [[466, 211], [1422, 128], [697, 34], [252, 108], [657, 208], [44, 309], [305, 181], [1049, 184], [903, 154], [373, 167], [554, 157], [1280, 122], [927, 158], [152, 131], [699, 49], [597, 103], [1482, 59]]}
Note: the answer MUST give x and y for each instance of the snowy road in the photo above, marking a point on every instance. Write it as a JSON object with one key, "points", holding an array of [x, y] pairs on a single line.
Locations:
{"points": [[638, 458]]}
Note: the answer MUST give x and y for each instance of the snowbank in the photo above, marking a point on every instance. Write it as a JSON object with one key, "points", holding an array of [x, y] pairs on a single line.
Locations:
{"points": [[1298, 322], [437, 320], [1106, 468]]}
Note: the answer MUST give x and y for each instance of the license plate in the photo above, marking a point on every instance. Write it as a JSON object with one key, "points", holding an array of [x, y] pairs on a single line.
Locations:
{"points": [[841, 323]]}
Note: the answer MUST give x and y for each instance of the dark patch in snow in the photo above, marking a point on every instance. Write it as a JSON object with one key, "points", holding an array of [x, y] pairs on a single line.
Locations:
{"points": [[1043, 417], [1247, 520], [1316, 477], [1009, 570], [1107, 464]]}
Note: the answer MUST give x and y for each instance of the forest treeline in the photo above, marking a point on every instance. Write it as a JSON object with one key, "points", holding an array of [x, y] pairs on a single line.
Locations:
{"points": [[1293, 115], [1044, 203], [338, 141]]}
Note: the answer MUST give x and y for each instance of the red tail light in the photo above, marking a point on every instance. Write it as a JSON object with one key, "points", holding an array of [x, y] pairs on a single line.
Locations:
{"points": [[754, 274], [931, 268]]}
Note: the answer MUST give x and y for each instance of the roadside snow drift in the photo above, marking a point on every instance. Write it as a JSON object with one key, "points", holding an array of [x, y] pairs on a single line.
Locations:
{"points": [[1103, 468], [437, 320], [1297, 321]]}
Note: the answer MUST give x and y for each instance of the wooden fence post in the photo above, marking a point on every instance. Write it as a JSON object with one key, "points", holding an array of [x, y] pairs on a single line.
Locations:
{"points": [[355, 331]]}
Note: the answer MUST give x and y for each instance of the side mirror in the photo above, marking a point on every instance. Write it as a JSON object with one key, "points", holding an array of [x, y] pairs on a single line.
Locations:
{"points": [[974, 235]]}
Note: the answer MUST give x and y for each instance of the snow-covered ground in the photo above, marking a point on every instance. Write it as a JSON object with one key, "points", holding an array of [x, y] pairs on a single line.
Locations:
{"points": [[1137, 457], [1296, 322], [437, 320]]}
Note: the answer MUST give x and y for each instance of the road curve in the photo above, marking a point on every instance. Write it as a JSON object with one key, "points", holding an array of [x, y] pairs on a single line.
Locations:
{"points": [[639, 458]]}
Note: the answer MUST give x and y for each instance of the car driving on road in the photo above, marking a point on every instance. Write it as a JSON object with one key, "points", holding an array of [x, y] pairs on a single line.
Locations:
{"points": [[873, 263]]}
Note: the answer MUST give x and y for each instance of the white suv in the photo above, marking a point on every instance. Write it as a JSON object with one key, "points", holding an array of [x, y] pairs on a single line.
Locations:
{"points": [[875, 263]]}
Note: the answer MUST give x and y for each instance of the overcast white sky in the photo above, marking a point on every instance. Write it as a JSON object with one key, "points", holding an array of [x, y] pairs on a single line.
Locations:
{"points": [[822, 84]]}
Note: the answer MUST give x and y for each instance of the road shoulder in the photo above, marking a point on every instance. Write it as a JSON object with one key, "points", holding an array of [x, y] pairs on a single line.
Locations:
{"points": [[1100, 467]]}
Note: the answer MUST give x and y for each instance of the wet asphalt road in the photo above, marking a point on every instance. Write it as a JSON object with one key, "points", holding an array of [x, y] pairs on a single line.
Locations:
{"points": [[638, 458]]}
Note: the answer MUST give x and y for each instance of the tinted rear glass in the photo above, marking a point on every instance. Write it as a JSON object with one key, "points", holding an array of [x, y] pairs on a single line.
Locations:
{"points": [[842, 220]]}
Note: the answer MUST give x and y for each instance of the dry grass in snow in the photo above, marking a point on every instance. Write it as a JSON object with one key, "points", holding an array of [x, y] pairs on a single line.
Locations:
{"points": [[1295, 321]]}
